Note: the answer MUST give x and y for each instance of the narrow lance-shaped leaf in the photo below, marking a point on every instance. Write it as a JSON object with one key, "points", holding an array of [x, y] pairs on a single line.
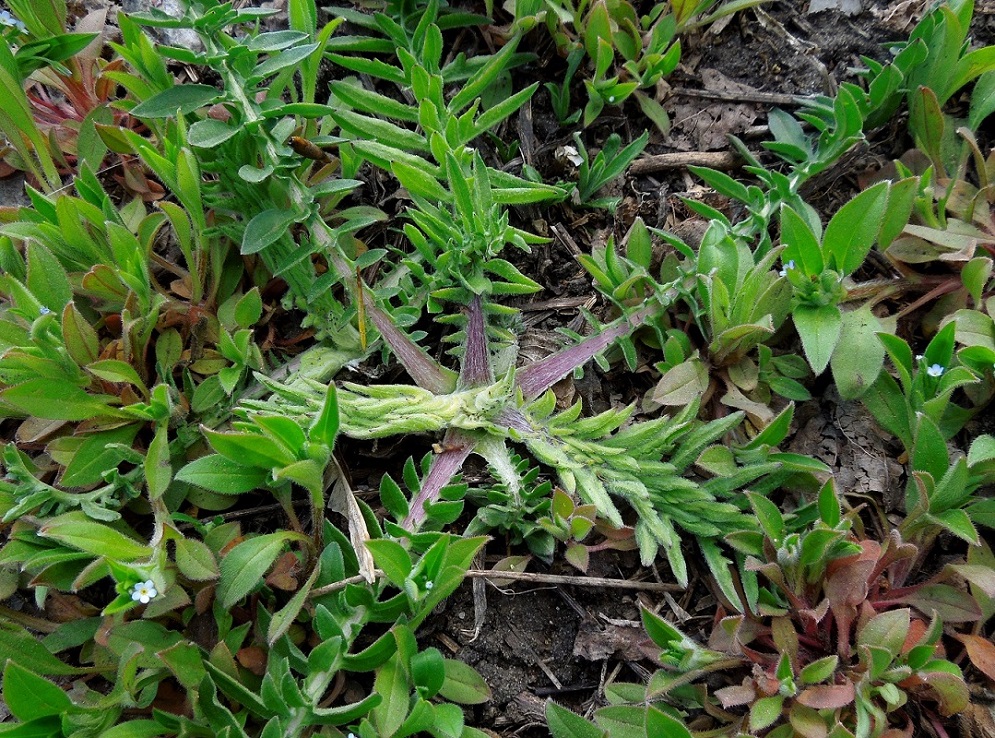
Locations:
{"points": [[326, 424], [536, 378], [456, 446], [476, 369], [427, 373]]}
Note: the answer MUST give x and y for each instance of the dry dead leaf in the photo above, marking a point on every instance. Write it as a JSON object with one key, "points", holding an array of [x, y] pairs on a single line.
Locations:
{"points": [[597, 643], [252, 658], [283, 576], [342, 500], [706, 127], [981, 651]]}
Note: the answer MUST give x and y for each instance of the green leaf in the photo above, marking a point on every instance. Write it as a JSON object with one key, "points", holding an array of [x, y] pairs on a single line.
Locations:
{"points": [[243, 567], [982, 100], [284, 618], [135, 729], [886, 630], [901, 200], [96, 455], [623, 721], [381, 131], [114, 370], [255, 175], [392, 685], [959, 523], [800, 244], [275, 40], [284, 59], [47, 279], [854, 229], [930, 453], [75, 529], [952, 605], [765, 712], [654, 111], [768, 515], [54, 399], [222, 475], [265, 229], [682, 384], [186, 661], [565, 724], [857, 367], [31, 654], [79, 336], [181, 99], [392, 558], [209, 133], [659, 723], [820, 329], [367, 101], [971, 65], [249, 448], [44, 727], [157, 466], [427, 669], [463, 684], [819, 670], [195, 560], [29, 696], [248, 309], [775, 432], [325, 427]]}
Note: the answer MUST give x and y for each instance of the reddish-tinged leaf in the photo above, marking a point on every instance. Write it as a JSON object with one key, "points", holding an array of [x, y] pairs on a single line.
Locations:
{"points": [[951, 691], [536, 378], [738, 694], [917, 629], [427, 373], [982, 577], [846, 581], [456, 447], [475, 370], [252, 658], [951, 604], [283, 575], [981, 651], [827, 696]]}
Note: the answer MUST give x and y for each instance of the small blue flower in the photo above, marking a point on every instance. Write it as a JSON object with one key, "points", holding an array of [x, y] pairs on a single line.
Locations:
{"points": [[43, 310], [935, 370], [144, 592], [429, 585], [8, 19], [786, 267]]}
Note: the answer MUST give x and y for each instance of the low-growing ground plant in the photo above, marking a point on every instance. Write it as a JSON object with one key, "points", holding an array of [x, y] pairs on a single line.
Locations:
{"points": [[218, 285]]}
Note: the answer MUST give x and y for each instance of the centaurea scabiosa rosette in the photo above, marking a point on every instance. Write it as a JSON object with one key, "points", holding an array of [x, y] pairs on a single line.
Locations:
{"points": [[594, 458]]}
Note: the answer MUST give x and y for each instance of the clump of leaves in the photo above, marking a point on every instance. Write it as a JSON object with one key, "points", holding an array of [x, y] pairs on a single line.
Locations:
{"points": [[629, 54], [592, 458], [836, 638], [571, 524]]}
